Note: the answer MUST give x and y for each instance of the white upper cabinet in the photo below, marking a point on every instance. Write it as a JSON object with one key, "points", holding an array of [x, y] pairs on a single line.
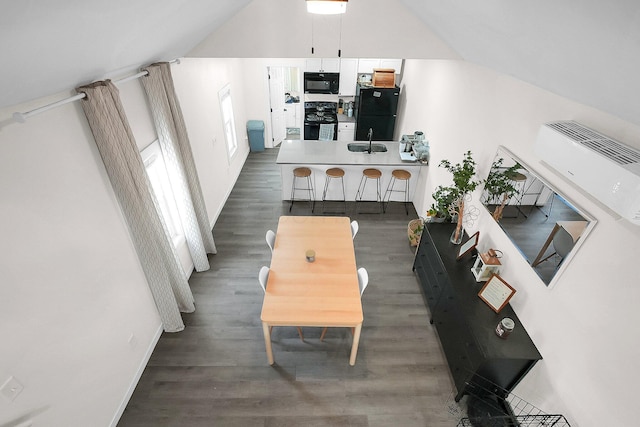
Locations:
{"points": [[348, 76], [327, 65], [312, 64], [366, 65], [396, 64], [331, 65]]}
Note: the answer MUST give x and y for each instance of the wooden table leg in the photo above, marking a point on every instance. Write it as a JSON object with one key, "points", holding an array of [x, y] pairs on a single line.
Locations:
{"points": [[354, 346], [267, 342], [545, 246]]}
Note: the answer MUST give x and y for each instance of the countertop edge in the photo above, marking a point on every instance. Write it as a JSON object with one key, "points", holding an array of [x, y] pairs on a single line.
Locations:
{"points": [[294, 152]]}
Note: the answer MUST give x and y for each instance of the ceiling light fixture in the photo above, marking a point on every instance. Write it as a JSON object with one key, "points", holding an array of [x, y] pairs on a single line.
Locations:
{"points": [[327, 7]]}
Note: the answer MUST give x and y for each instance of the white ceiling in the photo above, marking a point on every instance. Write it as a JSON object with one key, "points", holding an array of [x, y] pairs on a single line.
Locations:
{"points": [[55, 45], [586, 50]]}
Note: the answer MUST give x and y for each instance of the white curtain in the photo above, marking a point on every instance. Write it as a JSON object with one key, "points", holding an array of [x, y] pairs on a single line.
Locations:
{"points": [[129, 180], [176, 150]]}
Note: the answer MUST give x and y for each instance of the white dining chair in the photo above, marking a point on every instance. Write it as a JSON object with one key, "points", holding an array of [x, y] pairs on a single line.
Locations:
{"points": [[263, 277], [363, 281], [562, 244], [271, 239], [354, 228]]}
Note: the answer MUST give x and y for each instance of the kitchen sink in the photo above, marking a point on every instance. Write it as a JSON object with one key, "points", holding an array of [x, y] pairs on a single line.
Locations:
{"points": [[363, 147]]}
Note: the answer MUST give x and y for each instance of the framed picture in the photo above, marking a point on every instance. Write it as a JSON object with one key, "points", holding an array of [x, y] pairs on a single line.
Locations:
{"points": [[496, 293], [469, 245]]}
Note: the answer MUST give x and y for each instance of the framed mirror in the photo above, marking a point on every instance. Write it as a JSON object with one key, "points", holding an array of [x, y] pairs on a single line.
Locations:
{"points": [[545, 225]]}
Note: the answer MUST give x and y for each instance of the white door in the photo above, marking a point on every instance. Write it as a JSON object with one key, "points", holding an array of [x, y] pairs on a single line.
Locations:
{"points": [[276, 98], [291, 114]]}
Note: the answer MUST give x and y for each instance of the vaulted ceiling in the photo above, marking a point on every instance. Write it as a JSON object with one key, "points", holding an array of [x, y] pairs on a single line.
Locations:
{"points": [[586, 50]]}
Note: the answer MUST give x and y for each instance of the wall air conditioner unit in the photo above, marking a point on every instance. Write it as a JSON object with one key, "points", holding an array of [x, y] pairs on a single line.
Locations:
{"points": [[606, 169]]}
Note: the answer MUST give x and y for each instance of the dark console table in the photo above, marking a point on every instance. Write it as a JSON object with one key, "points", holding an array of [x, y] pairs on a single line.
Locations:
{"points": [[480, 361]]}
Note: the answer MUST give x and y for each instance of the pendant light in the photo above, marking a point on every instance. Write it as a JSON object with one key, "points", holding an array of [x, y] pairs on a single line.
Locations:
{"points": [[327, 7]]}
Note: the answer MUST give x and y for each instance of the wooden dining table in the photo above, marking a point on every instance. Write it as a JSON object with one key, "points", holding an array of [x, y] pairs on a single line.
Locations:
{"points": [[321, 293]]}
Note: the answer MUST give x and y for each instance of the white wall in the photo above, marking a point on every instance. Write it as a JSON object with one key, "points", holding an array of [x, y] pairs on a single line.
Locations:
{"points": [[584, 326], [72, 291], [71, 288], [197, 82]]}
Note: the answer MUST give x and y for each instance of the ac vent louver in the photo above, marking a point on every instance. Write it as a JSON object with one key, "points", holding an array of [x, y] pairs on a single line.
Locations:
{"points": [[597, 142], [603, 167]]}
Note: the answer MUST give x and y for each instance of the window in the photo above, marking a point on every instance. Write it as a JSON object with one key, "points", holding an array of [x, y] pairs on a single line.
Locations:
{"points": [[159, 177], [228, 123]]}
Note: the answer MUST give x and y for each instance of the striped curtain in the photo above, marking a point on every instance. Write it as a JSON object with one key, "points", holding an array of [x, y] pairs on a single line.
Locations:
{"points": [[129, 180], [176, 150]]}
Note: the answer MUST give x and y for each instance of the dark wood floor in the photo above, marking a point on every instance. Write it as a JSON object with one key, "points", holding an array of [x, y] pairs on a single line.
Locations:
{"points": [[215, 372]]}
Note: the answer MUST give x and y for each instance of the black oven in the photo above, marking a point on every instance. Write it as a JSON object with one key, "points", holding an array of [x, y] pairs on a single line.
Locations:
{"points": [[312, 131], [321, 83], [320, 120]]}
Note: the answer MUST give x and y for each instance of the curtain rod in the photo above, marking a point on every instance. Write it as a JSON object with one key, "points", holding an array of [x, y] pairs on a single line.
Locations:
{"points": [[22, 117]]}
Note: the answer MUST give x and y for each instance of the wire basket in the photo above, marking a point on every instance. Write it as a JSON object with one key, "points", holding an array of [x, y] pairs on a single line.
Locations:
{"points": [[546, 420], [496, 407]]}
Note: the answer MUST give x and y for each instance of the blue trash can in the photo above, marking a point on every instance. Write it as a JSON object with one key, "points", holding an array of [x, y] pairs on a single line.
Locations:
{"points": [[255, 131]]}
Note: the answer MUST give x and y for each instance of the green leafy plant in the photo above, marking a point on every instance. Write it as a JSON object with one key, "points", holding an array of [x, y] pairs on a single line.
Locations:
{"points": [[500, 186], [463, 173], [443, 198], [464, 182]]}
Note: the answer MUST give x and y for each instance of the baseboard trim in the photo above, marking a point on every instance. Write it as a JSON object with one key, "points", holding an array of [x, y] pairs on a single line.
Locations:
{"points": [[136, 378], [228, 193]]}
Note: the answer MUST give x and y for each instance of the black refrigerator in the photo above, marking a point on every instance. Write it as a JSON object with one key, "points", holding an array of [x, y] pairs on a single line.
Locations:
{"points": [[375, 108]]}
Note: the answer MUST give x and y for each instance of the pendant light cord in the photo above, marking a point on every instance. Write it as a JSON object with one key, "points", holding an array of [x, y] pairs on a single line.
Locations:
{"points": [[312, 21], [340, 39]]}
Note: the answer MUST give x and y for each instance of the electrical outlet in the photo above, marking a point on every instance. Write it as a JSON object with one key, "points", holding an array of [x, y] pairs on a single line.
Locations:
{"points": [[11, 388]]}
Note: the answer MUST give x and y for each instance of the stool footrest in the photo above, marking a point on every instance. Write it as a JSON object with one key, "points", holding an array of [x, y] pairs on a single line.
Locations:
{"points": [[303, 173], [398, 175], [367, 174]]}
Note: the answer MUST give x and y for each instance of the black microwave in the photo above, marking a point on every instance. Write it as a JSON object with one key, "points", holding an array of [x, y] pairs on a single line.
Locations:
{"points": [[321, 83]]}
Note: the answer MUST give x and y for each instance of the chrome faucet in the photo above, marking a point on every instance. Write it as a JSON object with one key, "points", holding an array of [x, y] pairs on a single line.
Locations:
{"points": [[370, 136]]}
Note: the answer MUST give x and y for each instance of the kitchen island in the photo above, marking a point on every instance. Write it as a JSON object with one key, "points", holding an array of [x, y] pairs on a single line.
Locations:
{"points": [[322, 155]]}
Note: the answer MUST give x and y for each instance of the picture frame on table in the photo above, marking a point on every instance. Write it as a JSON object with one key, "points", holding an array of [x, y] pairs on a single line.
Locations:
{"points": [[468, 246], [496, 293]]}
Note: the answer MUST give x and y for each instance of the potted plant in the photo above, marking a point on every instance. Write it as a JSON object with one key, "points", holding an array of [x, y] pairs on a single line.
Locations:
{"points": [[443, 198], [500, 186], [464, 183]]}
